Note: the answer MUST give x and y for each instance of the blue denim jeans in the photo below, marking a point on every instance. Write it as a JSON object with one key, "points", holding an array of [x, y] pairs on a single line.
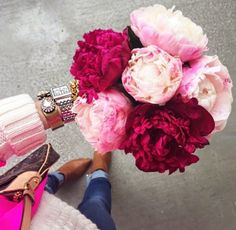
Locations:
{"points": [[96, 204]]}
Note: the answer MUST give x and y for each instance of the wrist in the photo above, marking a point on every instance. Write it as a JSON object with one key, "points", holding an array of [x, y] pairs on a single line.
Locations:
{"points": [[54, 106], [41, 115]]}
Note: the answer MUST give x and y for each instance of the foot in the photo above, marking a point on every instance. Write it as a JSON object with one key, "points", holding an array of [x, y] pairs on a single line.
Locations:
{"points": [[74, 169], [101, 161]]}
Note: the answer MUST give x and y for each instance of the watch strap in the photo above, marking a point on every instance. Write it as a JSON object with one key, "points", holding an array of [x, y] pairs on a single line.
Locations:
{"points": [[65, 107], [54, 119], [52, 113], [62, 95]]}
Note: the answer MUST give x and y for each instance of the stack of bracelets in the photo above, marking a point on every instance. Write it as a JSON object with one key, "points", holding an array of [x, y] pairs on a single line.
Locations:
{"points": [[56, 104]]}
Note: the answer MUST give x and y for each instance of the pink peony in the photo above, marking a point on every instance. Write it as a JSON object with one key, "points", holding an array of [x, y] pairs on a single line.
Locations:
{"points": [[209, 81], [102, 122], [171, 31], [165, 137], [99, 61], [152, 75]]}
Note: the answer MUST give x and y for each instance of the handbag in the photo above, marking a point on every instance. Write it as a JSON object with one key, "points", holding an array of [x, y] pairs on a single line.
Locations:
{"points": [[22, 186]]}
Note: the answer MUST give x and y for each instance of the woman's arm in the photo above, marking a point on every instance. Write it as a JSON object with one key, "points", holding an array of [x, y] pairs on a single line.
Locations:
{"points": [[23, 121], [22, 126]]}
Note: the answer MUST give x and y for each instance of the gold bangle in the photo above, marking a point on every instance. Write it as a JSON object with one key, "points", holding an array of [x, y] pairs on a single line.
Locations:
{"points": [[74, 89]]}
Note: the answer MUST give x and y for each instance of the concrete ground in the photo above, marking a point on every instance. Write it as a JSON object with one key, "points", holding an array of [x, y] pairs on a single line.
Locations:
{"points": [[37, 42]]}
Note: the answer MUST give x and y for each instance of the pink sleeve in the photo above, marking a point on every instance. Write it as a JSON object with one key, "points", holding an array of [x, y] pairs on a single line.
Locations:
{"points": [[21, 129]]}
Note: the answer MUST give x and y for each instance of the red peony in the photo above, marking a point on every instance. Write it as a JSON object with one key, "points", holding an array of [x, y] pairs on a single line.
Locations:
{"points": [[99, 61], [2, 163], [164, 137]]}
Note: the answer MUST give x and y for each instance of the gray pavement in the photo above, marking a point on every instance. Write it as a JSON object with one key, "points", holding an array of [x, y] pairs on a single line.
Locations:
{"points": [[37, 42]]}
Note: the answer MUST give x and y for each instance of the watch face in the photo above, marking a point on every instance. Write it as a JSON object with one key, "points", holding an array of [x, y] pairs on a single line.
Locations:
{"points": [[48, 105], [60, 92]]}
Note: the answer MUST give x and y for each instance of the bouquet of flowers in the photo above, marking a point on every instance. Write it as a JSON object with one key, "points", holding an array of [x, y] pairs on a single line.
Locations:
{"points": [[150, 90]]}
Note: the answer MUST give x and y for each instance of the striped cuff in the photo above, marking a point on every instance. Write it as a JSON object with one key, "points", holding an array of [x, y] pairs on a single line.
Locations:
{"points": [[21, 129]]}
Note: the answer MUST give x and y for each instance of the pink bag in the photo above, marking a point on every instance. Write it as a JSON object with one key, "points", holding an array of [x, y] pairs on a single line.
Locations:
{"points": [[11, 212], [21, 188]]}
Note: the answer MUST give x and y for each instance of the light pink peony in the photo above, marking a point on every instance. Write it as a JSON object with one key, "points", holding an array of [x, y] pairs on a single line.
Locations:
{"points": [[103, 121], [171, 31], [209, 81], [152, 75]]}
